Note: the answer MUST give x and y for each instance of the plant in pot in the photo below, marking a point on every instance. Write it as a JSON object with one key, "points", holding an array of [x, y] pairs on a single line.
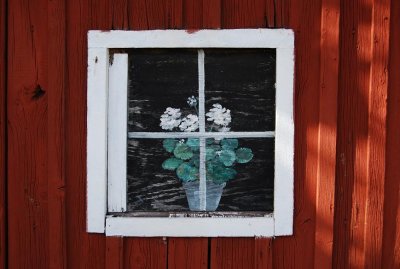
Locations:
{"points": [[222, 155]]}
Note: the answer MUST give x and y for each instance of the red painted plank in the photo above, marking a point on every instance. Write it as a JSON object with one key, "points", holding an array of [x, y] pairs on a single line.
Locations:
{"points": [[145, 253], [120, 15], [56, 134], [305, 19], [232, 253], [148, 14], [115, 253], [27, 135], [280, 9], [353, 145], [270, 10], [84, 250], [3, 140], [187, 253], [174, 10], [243, 14], [329, 74], [192, 14], [212, 14], [137, 15], [377, 134], [391, 231], [263, 253]]}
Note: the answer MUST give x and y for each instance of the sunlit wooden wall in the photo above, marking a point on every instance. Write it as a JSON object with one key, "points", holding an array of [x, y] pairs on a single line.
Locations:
{"points": [[347, 134]]}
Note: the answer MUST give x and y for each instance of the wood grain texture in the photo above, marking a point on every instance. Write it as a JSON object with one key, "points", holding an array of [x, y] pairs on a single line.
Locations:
{"points": [[352, 150], [120, 15], [56, 134], [232, 253], [391, 221], [84, 250], [146, 253], [329, 74], [3, 138], [270, 10], [192, 14], [27, 131], [211, 14], [298, 251], [263, 255], [243, 14], [114, 253], [187, 253], [377, 134]]}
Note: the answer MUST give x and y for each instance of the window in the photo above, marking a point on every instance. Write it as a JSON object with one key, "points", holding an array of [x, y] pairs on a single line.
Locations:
{"points": [[190, 134]]}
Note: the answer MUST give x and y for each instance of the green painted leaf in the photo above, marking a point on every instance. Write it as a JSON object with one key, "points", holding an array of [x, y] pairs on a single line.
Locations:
{"points": [[183, 151], [227, 157], [210, 141], [244, 155], [169, 144], [218, 173], [193, 143], [222, 174], [229, 143], [210, 153], [186, 172], [195, 160], [215, 147], [171, 163]]}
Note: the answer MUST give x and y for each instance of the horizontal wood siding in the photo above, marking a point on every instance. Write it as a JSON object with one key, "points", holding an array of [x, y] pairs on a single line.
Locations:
{"points": [[347, 107]]}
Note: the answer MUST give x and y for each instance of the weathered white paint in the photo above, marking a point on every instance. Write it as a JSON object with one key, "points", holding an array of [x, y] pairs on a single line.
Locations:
{"points": [[97, 139], [278, 223], [202, 128], [228, 38], [190, 227], [284, 143], [201, 134], [117, 132]]}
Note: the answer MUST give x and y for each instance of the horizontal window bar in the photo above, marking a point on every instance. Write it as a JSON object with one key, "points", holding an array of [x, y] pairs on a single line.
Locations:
{"points": [[201, 134]]}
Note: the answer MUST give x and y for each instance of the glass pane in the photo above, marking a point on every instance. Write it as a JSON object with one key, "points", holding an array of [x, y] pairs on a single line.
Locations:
{"points": [[244, 167], [160, 83], [156, 168], [163, 174], [240, 89]]}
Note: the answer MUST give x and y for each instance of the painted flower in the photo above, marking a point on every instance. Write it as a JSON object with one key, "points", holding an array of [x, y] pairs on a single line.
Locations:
{"points": [[190, 123], [171, 118], [219, 115], [192, 101], [224, 129]]}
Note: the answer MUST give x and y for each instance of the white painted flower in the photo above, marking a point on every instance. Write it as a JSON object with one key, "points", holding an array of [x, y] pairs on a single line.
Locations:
{"points": [[190, 123], [171, 118], [192, 101], [219, 115], [224, 129]]}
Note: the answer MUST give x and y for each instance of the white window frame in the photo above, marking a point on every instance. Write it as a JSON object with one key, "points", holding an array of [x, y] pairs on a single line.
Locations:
{"points": [[107, 139]]}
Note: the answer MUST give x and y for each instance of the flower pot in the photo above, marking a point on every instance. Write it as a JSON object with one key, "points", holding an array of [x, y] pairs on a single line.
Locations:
{"points": [[213, 195]]}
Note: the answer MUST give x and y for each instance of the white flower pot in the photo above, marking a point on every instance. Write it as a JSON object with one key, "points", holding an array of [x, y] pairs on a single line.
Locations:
{"points": [[213, 195]]}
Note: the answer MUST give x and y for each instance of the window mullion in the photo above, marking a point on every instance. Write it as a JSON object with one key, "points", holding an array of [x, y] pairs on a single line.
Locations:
{"points": [[202, 123]]}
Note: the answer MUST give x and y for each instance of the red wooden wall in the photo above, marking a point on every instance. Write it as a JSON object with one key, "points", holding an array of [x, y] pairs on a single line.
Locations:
{"points": [[347, 125]]}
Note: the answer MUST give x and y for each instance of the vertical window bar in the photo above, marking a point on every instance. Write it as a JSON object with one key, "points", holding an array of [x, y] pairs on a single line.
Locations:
{"points": [[202, 168]]}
